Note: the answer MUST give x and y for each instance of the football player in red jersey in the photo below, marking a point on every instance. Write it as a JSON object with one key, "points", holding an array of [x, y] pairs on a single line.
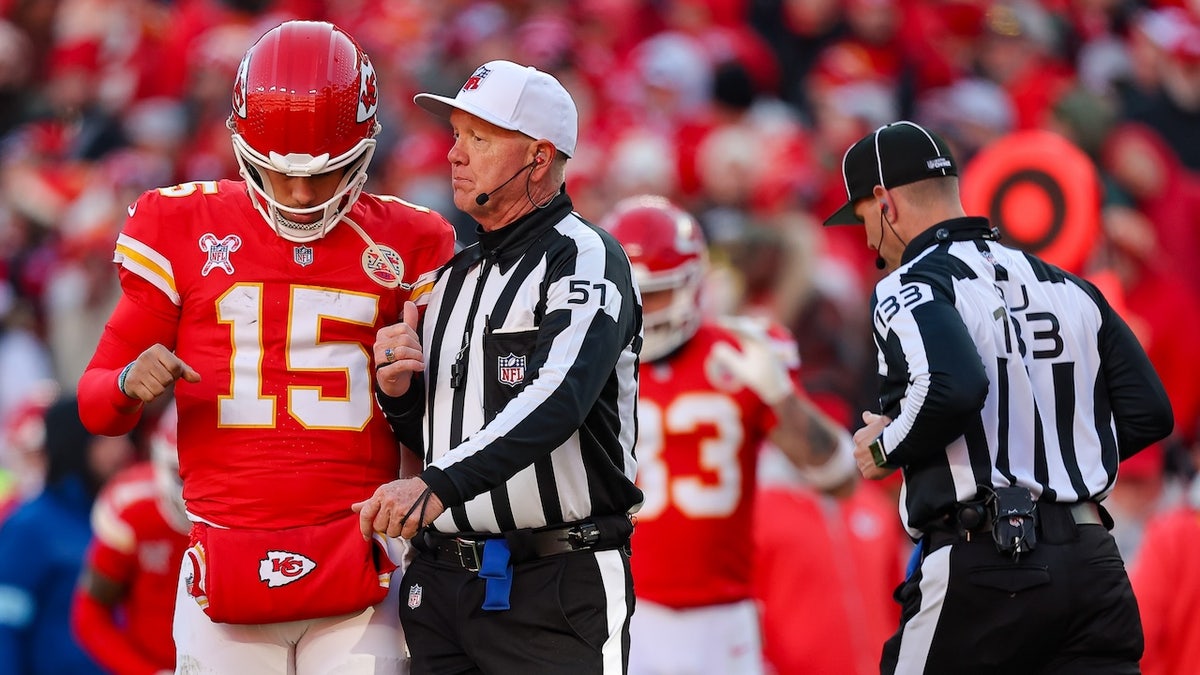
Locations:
{"points": [[126, 596], [261, 301], [711, 393]]}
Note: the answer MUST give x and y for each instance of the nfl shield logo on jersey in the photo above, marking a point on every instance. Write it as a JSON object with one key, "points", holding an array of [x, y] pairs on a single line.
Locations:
{"points": [[511, 369], [303, 255], [414, 596]]}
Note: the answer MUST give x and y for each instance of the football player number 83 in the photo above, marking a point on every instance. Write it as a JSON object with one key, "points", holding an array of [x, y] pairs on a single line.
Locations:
{"points": [[246, 405], [715, 487]]}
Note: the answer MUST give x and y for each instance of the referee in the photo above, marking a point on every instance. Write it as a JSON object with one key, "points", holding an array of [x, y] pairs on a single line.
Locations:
{"points": [[526, 413], [1010, 391]]}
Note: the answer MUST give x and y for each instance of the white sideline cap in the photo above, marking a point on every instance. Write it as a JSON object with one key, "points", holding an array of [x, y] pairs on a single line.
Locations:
{"points": [[517, 98]]}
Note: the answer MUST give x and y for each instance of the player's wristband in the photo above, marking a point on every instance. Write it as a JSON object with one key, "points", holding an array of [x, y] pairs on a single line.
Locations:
{"points": [[121, 379], [877, 454]]}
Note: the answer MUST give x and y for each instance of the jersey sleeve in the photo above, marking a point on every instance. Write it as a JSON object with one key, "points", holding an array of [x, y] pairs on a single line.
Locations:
{"points": [[133, 327], [1140, 403], [96, 630], [430, 259], [140, 249], [147, 313], [925, 343]]}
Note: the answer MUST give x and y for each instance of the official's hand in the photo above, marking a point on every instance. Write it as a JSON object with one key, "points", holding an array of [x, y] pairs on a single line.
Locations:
{"points": [[154, 371], [756, 365], [385, 511], [862, 442], [398, 353]]}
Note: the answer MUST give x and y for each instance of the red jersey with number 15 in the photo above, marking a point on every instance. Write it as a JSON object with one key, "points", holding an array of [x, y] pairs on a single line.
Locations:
{"points": [[283, 428], [699, 433]]}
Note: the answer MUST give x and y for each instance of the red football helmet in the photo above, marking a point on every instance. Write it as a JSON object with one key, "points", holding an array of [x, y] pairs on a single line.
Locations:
{"points": [[668, 252], [304, 103], [23, 439], [164, 458]]}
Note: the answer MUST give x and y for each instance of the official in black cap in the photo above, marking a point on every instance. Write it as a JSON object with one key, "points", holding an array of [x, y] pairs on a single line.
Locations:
{"points": [[1009, 392]]}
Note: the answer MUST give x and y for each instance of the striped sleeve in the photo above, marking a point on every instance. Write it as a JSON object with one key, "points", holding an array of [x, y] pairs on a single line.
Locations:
{"points": [[422, 288], [145, 262], [931, 355], [1138, 399]]}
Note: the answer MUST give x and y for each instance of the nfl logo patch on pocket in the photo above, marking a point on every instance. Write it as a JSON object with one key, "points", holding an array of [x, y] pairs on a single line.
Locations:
{"points": [[511, 369], [414, 596]]}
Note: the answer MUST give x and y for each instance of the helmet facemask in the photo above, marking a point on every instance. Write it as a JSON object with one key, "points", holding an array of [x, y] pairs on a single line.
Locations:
{"points": [[252, 164], [667, 329]]}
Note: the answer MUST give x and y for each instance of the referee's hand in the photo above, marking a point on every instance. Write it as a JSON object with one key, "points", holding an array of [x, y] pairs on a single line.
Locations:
{"points": [[398, 353], [398, 509], [862, 442]]}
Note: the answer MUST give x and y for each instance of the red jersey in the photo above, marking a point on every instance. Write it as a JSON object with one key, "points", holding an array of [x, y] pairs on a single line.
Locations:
{"points": [[283, 429], [135, 545], [698, 438]]}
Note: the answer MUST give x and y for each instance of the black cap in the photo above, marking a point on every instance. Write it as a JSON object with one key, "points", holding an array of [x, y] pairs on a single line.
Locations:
{"points": [[893, 155]]}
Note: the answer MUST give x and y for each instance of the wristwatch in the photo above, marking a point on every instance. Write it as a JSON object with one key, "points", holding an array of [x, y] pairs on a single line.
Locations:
{"points": [[876, 448]]}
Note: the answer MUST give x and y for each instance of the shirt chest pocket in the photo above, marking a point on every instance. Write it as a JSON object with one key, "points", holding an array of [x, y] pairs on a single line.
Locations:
{"points": [[507, 367]]}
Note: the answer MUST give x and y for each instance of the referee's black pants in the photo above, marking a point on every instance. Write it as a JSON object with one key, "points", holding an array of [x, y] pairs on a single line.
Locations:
{"points": [[569, 614], [1066, 608]]}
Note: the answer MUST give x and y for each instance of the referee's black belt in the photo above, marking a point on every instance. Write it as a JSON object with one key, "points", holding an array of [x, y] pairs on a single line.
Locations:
{"points": [[466, 549], [1055, 523]]}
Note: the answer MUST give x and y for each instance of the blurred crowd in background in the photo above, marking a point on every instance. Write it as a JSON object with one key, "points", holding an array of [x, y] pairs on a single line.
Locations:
{"points": [[738, 110]]}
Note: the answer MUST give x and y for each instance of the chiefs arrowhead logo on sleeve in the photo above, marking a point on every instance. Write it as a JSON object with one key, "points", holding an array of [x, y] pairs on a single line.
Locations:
{"points": [[280, 568]]}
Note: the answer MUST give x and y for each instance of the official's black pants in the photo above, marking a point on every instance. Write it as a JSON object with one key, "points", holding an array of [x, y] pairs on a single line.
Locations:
{"points": [[1066, 608], [569, 615]]}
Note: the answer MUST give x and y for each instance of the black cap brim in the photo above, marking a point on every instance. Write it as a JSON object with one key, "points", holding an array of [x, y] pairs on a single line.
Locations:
{"points": [[843, 216]]}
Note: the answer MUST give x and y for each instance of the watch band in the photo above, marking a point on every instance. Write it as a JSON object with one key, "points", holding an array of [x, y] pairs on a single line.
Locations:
{"points": [[877, 453]]}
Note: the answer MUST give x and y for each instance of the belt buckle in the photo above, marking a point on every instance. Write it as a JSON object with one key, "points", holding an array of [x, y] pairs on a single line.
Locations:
{"points": [[583, 536], [470, 563]]}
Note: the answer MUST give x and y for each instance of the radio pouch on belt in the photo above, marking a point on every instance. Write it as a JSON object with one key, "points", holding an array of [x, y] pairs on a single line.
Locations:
{"points": [[1014, 520]]}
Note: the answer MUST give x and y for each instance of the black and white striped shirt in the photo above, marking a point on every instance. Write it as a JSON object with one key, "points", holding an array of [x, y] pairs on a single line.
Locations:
{"points": [[531, 341], [999, 369]]}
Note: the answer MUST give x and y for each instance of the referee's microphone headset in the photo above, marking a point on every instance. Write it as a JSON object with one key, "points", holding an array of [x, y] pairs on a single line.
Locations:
{"points": [[880, 263], [483, 197]]}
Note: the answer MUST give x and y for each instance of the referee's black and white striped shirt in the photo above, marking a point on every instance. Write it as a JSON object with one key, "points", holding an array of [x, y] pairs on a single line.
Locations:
{"points": [[1000, 369], [541, 427]]}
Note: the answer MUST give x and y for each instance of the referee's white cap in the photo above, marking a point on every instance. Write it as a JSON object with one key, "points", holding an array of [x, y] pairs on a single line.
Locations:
{"points": [[517, 98]]}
